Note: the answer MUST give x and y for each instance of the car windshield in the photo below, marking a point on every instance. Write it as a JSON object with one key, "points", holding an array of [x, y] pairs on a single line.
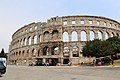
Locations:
{"points": [[1, 62]]}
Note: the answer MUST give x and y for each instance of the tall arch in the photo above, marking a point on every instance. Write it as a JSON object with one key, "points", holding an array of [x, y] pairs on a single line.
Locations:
{"points": [[83, 36], [65, 37], [23, 54], [25, 42], [33, 52], [117, 34], [75, 51], [66, 52], [46, 50], [40, 39], [55, 35], [92, 35], [112, 34], [21, 42], [19, 54], [46, 36], [28, 53], [35, 39], [100, 35], [74, 36], [106, 35], [29, 40], [55, 50]]}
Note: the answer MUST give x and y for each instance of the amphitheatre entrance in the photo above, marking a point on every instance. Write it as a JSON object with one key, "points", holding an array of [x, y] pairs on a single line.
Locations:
{"points": [[47, 61]]}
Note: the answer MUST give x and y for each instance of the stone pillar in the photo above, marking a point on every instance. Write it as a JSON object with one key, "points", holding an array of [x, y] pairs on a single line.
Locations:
{"points": [[27, 41], [70, 53], [38, 38], [96, 35], [79, 36], [61, 53], [69, 36], [88, 35], [71, 56], [103, 36], [21, 42], [49, 50], [32, 39], [109, 35], [50, 37], [59, 60], [42, 39]]}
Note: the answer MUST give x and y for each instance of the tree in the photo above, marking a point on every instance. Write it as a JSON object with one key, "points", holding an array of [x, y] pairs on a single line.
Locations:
{"points": [[2, 54], [115, 43], [98, 48], [93, 48]]}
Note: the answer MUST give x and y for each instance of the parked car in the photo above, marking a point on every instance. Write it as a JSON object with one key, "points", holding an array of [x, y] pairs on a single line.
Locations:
{"points": [[103, 61], [2, 66]]}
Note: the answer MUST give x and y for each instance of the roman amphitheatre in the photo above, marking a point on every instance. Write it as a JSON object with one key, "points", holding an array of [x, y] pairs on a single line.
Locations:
{"points": [[59, 40]]}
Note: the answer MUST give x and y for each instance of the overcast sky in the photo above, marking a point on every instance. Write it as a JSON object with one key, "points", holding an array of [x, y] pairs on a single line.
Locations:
{"points": [[16, 13]]}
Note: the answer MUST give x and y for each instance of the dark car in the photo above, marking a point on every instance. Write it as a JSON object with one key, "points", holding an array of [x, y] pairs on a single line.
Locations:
{"points": [[2, 66]]}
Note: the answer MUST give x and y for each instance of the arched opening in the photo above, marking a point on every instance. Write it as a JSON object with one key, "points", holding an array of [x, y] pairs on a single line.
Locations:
{"points": [[23, 54], [35, 39], [46, 36], [83, 36], [35, 27], [55, 35], [46, 50], [19, 55], [75, 51], [18, 42], [92, 35], [29, 40], [74, 36], [65, 37], [25, 42], [33, 52], [100, 35], [106, 35], [112, 34], [40, 38], [117, 34], [13, 55], [66, 52], [28, 53], [55, 50]]}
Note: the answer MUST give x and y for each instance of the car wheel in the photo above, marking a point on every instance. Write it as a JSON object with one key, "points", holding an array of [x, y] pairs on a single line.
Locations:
{"points": [[0, 74]]}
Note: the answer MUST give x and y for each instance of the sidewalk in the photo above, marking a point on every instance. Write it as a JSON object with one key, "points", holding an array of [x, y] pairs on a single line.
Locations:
{"points": [[109, 66]]}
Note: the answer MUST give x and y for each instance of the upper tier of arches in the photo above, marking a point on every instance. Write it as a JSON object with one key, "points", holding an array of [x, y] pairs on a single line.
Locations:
{"points": [[67, 21], [69, 28]]}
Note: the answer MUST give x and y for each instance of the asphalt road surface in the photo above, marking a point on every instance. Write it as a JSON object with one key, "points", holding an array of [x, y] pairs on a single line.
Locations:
{"points": [[61, 73]]}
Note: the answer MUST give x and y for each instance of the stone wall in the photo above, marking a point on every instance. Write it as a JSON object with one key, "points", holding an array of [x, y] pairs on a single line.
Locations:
{"points": [[61, 38]]}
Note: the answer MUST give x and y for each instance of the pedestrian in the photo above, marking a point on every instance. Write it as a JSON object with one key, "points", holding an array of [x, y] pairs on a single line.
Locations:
{"points": [[47, 63], [94, 62], [112, 61], [70, 63]]}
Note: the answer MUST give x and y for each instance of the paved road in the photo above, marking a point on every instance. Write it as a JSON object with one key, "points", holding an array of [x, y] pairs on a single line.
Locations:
{"points": [[61, 73]]}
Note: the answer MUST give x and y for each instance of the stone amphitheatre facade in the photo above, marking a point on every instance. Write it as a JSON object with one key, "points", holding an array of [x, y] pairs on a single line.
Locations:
{"points": [[59, 40]]}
